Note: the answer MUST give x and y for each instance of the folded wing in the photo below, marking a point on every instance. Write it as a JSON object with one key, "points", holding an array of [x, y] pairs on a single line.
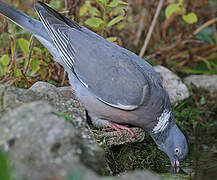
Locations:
{"points": [[109, 73]]}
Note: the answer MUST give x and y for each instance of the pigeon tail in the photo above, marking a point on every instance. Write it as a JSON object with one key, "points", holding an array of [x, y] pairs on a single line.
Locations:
{"points": [[33, 26]]}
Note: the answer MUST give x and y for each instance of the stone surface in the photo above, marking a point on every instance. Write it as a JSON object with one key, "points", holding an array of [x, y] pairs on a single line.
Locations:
{"points": [[139, 175], [67, 92], [114, 138], [44, 134], [176, 89], [208, 82]]}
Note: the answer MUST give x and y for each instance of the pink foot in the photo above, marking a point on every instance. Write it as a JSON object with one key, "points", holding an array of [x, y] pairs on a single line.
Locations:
{"points": [[118, 128]]}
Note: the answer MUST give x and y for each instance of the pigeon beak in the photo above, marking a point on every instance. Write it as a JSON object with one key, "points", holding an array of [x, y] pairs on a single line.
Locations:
{"points": [[176, 162]]}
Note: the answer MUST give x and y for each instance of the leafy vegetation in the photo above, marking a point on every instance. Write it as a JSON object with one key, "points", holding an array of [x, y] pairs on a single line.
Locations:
{"points": [[24, 60], [184, 40], [178, 8], [107, 15]]}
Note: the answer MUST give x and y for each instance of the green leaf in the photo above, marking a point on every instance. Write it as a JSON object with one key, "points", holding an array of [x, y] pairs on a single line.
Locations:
{"points": [[102, 2], [190, 18], [174, 8], [121, 25], [94, 22], [4, 70], [111, 39], [119, 10], [102, 26], [180, 2], [94, 11], [115, 3], [34, 65], [83, 10], [4, 60], [122, 2], [37, 49], [43, 72], [24, 45], [213, 64], [43, 63], [115, 20], [17, 73]]}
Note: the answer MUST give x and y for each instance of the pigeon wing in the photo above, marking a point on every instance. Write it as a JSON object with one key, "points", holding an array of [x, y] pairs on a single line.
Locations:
{"points": [[108, 72]]}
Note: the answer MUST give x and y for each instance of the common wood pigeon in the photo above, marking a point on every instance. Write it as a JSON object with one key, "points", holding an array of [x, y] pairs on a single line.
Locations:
{"points": [[116, 86]]}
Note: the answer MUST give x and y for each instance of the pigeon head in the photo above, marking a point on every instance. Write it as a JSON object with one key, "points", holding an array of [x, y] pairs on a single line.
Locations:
{"points": [[173, 142], [175, 146]]}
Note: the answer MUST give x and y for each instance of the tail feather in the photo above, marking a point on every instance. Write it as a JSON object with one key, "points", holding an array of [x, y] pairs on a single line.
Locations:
{"points": [[33, 26]]}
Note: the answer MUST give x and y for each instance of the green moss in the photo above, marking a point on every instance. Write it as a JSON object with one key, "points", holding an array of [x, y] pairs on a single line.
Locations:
{"points": [[144, 155], [68, 117]]}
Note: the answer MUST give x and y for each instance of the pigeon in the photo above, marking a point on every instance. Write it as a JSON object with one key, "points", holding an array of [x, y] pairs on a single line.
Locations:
{"points": [[118, 88]]}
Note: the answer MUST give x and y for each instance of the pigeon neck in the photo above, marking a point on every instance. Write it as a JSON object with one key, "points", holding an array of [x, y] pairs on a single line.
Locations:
{"points": [[162, 121], [160, 137]]}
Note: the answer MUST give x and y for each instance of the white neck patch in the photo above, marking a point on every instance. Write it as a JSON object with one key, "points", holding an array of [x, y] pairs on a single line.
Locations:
{"points": [[163, 122]]}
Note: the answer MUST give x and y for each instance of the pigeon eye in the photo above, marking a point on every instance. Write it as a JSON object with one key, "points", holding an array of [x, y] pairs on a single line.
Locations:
{"points": [[176, 150]]}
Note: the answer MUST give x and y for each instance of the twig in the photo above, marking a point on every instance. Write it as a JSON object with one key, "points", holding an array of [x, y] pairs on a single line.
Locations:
{"points": [[5, 79], [204, 60], [13, 52], [169, 48], [26, 80], [66, 7], [142, 51], [30, 54], [208, 23]]}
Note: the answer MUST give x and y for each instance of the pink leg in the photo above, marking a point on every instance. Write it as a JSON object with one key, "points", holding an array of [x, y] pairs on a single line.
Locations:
{"points": [[118, 128]]}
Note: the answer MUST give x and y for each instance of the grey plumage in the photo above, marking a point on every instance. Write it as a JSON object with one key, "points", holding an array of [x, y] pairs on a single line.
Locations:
{"points": [[114, 84]]}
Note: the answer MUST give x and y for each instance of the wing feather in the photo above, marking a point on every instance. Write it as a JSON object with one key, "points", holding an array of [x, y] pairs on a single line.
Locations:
{"points": [[102, 78], [56, 29]]}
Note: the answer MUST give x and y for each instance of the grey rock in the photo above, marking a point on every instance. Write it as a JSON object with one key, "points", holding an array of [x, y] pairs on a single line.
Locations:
{"points": [[39, 140], [82, 173], [139, 175], [36, 139], [42, 144], [14, 97], [176, 89], [44, 87], [208, 82], [67, 92]]}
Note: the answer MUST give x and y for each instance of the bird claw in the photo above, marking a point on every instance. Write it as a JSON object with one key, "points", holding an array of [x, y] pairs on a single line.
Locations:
{"points": [[118, 128]]}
